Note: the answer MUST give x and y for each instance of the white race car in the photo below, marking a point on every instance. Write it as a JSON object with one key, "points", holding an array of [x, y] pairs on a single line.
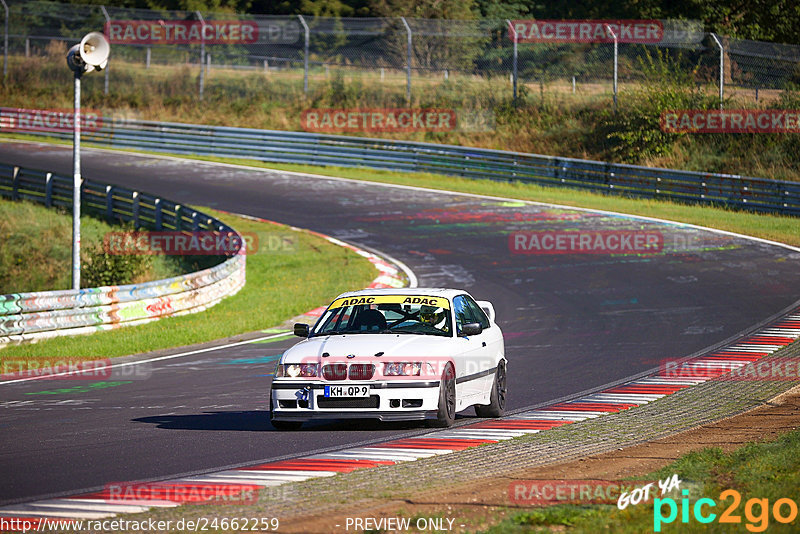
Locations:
{"points": [[393, 354]]}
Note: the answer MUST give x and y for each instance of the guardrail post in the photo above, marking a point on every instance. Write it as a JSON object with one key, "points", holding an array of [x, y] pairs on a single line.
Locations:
{"points": [[5, 42], [721, 68], [108, 21], [514, 67], [135, 209], [48, 189], [408, 61], [178, 217], [616, 62], [202, 51], [147, 58], [110, 202], [305, 54], [157, 207], [195, 222], [15, 184]]}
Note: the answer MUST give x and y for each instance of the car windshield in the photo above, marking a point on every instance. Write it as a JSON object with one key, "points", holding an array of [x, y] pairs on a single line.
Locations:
{"points": [[386, 314]]}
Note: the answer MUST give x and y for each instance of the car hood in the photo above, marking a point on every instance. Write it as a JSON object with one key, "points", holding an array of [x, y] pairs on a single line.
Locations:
{"points": [[360, 347]]}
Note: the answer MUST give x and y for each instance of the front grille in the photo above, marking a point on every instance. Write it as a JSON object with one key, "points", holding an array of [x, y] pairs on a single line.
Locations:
{"points": [[336, 371], [361, 371], [347, 402]]}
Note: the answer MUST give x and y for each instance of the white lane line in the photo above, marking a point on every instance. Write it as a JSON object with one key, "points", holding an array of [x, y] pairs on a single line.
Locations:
{"points": [[160, 358], [33, 510], [236, 480], [488, 433], [355, 454], [625, 397], [149, 503]]}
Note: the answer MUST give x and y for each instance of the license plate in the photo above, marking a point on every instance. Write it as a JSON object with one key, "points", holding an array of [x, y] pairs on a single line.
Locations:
{"points": [[346, 391]]}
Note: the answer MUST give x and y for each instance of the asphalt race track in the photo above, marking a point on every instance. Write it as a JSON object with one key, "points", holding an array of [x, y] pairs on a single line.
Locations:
{"points": [[572, 321]]}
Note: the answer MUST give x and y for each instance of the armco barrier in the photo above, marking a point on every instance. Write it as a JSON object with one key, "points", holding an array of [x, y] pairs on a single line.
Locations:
{"points": [[731, 191], [33, 316]]}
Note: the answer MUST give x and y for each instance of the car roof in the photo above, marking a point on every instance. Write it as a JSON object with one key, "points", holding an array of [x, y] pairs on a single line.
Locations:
{"points": [[430, 291]]}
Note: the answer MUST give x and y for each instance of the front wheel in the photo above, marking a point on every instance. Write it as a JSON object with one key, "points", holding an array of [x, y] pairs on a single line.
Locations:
{"points": [[497, 400], [446, 414]]}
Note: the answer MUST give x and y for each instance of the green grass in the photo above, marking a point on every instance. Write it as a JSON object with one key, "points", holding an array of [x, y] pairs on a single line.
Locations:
{"points": [[280, 284], [766, 470], [36, 249]]}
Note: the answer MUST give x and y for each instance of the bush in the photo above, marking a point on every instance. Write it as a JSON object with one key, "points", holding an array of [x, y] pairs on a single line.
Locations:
{"points": [[634, 133], [99, 268]]}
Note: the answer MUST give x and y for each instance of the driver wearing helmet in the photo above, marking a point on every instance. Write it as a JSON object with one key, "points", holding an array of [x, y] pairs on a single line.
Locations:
{"points": [[433, 317]]}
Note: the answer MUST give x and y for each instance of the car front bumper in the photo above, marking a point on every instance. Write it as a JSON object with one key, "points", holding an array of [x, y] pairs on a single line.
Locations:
{"points": [[400, 400]]}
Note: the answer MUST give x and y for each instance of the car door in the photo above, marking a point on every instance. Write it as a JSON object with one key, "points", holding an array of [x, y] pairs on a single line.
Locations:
{"points": [[491, 344], [472, 357]]}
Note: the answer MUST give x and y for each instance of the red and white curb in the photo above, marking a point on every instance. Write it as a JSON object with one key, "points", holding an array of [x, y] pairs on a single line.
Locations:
{"points": [[709, 366]]}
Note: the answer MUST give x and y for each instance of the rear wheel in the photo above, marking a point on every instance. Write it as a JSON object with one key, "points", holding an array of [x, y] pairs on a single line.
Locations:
{"points": [[497, 400], [446, 415]]}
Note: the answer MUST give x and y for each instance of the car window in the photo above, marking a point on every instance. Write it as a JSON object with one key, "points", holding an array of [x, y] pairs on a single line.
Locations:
{"points": [[477, 312], [386, 315], [462, 312]]}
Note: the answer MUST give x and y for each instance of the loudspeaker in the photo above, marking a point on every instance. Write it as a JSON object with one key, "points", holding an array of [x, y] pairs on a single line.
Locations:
{"points": [[90, 54]]}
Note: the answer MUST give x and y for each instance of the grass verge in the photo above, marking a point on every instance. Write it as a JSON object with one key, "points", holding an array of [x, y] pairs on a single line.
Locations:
{"points": [[280, 284], [764, 472], [36, 251]]}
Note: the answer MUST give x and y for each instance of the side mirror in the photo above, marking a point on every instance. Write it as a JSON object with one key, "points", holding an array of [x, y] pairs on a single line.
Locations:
{"points": [[471, 329], [301, 329]]}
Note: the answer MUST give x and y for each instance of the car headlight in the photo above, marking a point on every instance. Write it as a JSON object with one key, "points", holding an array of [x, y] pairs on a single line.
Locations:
{"points": [[295, 370], [402, 369]]}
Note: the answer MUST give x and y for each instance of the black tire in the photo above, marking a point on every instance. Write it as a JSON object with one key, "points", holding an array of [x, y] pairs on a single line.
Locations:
{"points": [[446, 415], [282, 425], [497, 404]]}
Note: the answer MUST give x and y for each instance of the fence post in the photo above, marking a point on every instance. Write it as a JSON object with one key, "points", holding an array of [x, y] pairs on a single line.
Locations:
{"points": [[202, 51], [721, 69], [108, 21], [616, 58], [305, 54], [408, 61], [514, 68], [5, 42]]}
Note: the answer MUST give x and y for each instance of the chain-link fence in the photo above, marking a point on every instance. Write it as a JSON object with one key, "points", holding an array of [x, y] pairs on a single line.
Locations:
{"points": [[475, 64]]}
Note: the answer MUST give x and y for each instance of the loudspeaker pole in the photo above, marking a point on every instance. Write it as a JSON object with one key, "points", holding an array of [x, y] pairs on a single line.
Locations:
{"points": [[91, 54], [76, 186]]}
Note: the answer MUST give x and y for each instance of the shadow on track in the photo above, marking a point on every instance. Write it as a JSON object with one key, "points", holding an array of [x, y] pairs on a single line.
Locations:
{"points": [[258, 421]]}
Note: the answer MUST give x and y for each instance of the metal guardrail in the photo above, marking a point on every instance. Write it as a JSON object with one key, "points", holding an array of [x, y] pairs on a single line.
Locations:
{"points": [[28, 316], [730, 191]]}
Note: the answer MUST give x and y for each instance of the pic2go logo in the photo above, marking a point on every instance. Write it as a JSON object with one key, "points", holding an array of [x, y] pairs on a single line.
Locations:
{"points": [[756, 511]]}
